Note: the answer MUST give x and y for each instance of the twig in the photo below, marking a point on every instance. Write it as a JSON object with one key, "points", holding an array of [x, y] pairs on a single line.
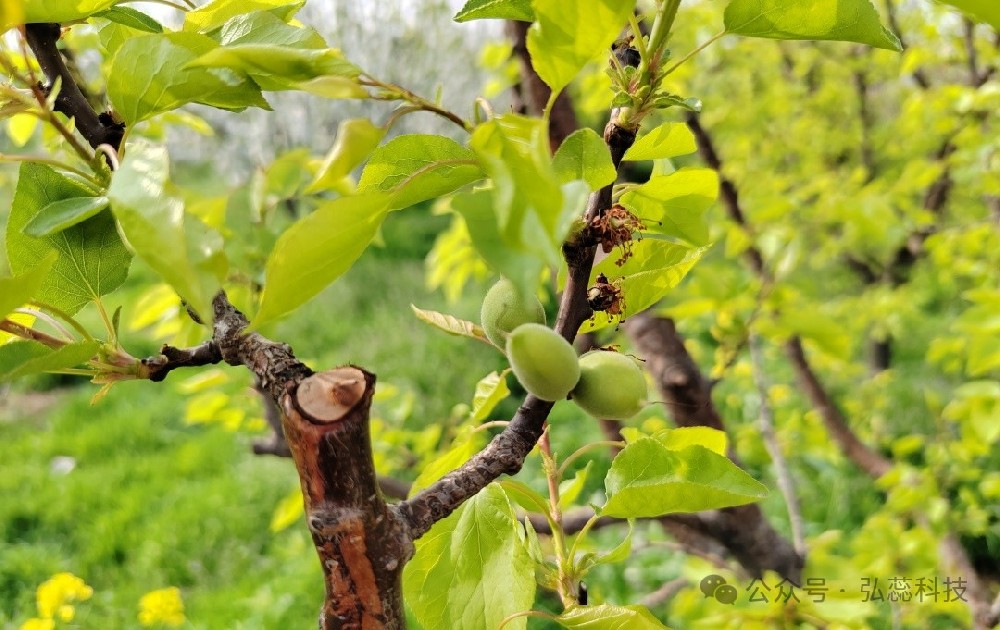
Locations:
{"points": [[71, 101], [784, 478], [170, 358], [30, 334], [890, 14]]}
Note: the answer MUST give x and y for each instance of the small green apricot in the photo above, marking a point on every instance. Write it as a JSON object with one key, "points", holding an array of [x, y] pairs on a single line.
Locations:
{"points": [[543, 362], [504, 309], [611, 386]]}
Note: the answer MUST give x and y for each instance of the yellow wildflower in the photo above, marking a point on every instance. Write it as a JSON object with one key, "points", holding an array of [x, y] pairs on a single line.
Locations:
{"points": [[55, 596], [162, 606], [38, 624]]}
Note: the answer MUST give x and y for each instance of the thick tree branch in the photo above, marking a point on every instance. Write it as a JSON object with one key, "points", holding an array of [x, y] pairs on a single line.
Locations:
{"points": [[97, 129]]}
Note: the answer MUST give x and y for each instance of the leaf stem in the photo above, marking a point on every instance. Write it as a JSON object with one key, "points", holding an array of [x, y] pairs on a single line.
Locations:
{"points": [[584, 449], [63, 315], [24, 332], [711, 40]]}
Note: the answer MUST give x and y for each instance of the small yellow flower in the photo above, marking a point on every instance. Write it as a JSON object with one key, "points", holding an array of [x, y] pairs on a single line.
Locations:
{"points": [[162, 606], [38, 624], [55, 596]]}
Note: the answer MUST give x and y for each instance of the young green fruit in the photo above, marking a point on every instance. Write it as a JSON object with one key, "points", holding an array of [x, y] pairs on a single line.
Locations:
{"points": [[543, 362], [611, 386], [504, 309]]}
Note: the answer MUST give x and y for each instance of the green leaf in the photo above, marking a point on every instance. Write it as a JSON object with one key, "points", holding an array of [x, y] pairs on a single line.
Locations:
{"points": [[317, 250], [620, 553], [16, 291], [498, 9], [185, 252], [28, 357], [218, 12], [986, 11], [683, 437], [460, 452], [127, 16], [523, 495], [63, 10], [472, 569], [570, 489], [92, 260], [414, 168], [65, 213], [280, 67], [264, 27], [516, 263], [491, 390], [666, 141], [450, 324], [675, 204], [844, 20], [584, 155], [569, 33], [609, 617], [655, 267], [356, 139], [150, 75], [647, 480]]}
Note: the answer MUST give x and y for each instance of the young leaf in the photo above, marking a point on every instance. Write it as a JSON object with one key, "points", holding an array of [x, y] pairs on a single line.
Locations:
{"points": [[316, 250], [59, 215], [92, 260], [490, 391], [472, 569], [584, 155], [263, 27], [524, 496], [461, 450], [216, 13], [150, 74], [356, 139], [620, 552], [127, 16], [665, 141], [184, 251], [498, 9], [570, 489], [845, 20], [655, 267], [647, 480], [17, 290], [569, 33], [481, 221], [27, 357], [450, 324], [683, 437], [415, 168], [609, 617], [675, 204], [64, 10], [280, 67]]}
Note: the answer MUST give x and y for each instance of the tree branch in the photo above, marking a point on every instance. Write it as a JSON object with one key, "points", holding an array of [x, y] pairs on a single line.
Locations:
{"points": [[890, 14], [171, 358], [505, 454], [97, 129]]}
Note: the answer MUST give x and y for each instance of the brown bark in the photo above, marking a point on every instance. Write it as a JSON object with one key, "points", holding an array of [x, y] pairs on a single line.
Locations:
{"points": [[534, 93], [743, 530]]}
